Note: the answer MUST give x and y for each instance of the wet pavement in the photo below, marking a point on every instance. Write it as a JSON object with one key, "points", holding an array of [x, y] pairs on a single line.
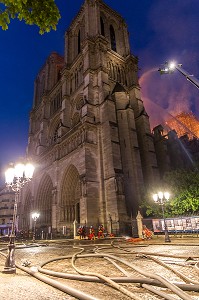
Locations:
{"points": [[24, 286]]}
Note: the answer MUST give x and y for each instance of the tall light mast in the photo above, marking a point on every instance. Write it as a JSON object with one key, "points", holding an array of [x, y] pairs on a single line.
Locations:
{"points": [[169, 68]]}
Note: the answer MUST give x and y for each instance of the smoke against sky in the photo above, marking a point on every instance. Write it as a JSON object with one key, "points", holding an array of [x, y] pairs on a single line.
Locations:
{"points": [[159, 30], [174, 25]]}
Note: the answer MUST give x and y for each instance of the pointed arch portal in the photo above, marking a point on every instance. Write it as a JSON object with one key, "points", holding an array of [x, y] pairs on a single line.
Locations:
{"points": [[70, 196], [44, 202]]}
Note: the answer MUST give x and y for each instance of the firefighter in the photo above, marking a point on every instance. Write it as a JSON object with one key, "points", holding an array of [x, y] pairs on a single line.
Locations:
{"points": [[83, 232], [79, 232], [91, 233], [147, 234], [101, 232]]}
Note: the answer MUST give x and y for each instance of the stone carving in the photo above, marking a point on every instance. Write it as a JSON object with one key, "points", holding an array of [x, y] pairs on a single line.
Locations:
{"points": [[119, 185], [83, 185]]}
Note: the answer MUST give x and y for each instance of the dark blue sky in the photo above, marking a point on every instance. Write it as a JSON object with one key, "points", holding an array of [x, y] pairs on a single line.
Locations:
{"points": [[159, 30]]}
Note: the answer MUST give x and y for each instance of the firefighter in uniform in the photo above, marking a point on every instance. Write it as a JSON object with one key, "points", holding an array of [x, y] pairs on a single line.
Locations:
{"points": [[91, 233], [101, 232]]}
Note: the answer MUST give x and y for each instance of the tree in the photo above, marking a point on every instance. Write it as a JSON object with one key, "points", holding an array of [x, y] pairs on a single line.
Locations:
{"points": [[43, 13], [149, 207], [183, 186]]}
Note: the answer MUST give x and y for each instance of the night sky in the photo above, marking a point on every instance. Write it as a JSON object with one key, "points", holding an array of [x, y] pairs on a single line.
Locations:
{"points": [[159, 30]]}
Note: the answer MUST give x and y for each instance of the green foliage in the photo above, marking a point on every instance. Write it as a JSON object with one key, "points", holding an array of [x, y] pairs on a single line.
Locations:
{"points": [[183, 185], [150, 208], [43, 13]]}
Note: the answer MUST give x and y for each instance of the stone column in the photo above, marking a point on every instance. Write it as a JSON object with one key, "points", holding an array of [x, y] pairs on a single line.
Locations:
{"points": [[75, 229], [54, 211], [139, 224]]}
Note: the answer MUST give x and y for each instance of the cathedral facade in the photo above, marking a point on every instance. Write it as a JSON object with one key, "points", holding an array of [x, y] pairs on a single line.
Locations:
{"points": [[89, 134]]}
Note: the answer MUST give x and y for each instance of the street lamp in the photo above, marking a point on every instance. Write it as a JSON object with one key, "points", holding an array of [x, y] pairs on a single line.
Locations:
{"points": [[161, 198], [16, 177], [35, 216]]}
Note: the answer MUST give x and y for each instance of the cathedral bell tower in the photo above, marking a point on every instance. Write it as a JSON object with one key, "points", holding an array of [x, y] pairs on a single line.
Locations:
{"points": [[97, 148]]}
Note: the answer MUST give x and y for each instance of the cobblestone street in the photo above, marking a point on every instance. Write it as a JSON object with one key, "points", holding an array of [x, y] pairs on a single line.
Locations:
{"points": [[181, 255]]}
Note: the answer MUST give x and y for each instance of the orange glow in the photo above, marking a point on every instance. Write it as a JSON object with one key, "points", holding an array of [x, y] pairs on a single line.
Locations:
{"points": [[184, 123]]}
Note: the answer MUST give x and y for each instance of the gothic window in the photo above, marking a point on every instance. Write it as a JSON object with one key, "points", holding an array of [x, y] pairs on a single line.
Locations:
{"points": [[102, 26], [37, 124], [56, 103], [118, 74], [79, 42], [80, 73], [114, 73], [123, 77], [58, 73], [40, 89], [56, 134], [113, 39]]}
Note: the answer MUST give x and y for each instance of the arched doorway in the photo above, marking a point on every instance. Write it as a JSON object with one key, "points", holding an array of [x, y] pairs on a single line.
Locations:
{"points": [[43, 204], [70, 197]]}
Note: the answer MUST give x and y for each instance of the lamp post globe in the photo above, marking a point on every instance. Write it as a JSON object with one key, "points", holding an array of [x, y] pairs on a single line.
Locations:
{"points": [[161, 198], [16, 176]]}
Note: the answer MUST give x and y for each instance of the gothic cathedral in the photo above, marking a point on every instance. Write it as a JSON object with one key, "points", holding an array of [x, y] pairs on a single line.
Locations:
{"points": [[89, 133]]}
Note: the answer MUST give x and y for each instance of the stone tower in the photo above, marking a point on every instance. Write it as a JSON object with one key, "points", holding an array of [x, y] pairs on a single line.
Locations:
{"points": [[89, 132]]}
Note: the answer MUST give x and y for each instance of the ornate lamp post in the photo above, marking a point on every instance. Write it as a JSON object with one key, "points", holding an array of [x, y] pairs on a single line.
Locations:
{"points": [[111, 224], [16, 177], [35, 216], [161, 198]]}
